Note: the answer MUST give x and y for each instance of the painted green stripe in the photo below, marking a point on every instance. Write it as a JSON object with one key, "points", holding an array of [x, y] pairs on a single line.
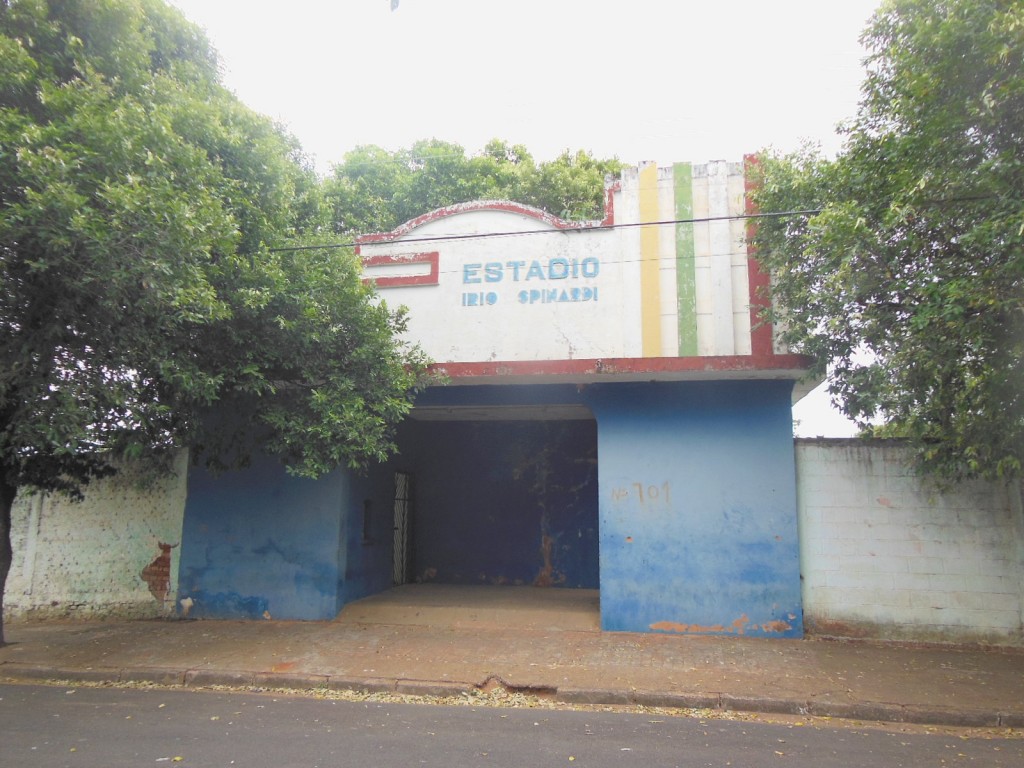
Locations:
{"points": [[686, 282]]}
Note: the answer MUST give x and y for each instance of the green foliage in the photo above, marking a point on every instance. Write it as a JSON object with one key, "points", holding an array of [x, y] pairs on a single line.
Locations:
{"points": [[909, 285], [374, 190], [137, 292]]}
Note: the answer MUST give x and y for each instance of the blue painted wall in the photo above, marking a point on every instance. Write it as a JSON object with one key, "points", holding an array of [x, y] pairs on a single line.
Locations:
{"points": [[698, 508], [259, 540], [691, 527], [504, 502], [366, 560]]}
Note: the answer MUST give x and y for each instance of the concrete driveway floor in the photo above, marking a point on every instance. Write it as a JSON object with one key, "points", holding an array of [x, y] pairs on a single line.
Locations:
{"points": [[444, 641]]}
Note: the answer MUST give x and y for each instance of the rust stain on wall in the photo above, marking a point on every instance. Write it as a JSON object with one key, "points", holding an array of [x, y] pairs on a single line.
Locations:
{"points": [[776, 626], [685, 629], [738, 627], [157, 574], [546, 576]]}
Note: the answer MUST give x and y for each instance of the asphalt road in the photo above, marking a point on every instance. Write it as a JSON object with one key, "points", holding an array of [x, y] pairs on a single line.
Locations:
{"points": [[52, 727]]}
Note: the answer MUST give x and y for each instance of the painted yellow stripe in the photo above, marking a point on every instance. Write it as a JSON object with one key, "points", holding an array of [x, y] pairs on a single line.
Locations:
{"points": [[650, 241]]}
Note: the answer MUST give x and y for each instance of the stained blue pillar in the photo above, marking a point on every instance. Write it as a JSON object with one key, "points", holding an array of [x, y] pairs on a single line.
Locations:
{"points": [[259, 542], [697, 507]]}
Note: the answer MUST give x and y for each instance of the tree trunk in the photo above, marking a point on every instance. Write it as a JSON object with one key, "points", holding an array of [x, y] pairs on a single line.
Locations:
{"points": [[7, 494]]}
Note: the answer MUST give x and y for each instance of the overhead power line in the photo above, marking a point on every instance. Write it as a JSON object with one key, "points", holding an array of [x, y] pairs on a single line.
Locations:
{"points": [[568, 230]]}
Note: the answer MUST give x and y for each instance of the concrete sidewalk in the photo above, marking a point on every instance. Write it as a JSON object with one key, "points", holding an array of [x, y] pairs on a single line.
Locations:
{"points": [[554, 651]]}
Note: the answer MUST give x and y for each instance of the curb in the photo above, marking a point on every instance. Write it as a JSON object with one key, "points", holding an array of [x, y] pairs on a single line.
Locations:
{"points": [[241, 680]]}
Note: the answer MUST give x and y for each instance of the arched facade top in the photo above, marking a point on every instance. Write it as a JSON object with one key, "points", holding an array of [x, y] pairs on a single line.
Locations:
{"points": [[500, 206], [666, 285]]}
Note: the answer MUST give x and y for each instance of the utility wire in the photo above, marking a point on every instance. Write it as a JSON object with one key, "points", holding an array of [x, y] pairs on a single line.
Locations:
{"points": [[569, 230]]}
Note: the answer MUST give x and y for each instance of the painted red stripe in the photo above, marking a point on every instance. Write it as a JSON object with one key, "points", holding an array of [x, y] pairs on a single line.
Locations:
{"points": [[759, 281], [404, 259], [653, 366]]}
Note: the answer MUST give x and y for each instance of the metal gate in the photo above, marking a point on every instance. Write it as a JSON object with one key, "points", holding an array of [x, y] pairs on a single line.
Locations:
{"points": [[403, 508]]}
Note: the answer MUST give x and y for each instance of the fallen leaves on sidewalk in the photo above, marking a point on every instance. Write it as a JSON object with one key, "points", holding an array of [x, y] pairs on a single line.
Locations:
{"points": [[498, 695]]}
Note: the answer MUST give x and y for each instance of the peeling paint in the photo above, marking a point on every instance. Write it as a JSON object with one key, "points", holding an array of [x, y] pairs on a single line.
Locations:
{"points": [[685, 629], [394, 278], [737, 627], [776, 626], [157, 574]]}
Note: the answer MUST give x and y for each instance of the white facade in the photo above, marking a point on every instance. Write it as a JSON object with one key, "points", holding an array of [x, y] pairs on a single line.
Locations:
{"points": [[664, 275]]}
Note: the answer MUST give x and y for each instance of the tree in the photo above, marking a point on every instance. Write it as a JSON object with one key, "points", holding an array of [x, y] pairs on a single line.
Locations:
{"points": [[373, 190], [140, 302], [909, 284]]}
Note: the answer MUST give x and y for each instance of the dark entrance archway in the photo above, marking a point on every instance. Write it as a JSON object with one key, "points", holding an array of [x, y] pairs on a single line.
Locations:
{"points": [[503, 496]]}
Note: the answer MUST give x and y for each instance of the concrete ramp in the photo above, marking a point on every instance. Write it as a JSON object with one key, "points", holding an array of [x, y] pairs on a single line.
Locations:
{"points": [[485, 607]]}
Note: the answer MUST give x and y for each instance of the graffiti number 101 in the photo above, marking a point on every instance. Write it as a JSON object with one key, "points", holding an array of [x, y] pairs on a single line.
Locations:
{"points": [[643, 493]]}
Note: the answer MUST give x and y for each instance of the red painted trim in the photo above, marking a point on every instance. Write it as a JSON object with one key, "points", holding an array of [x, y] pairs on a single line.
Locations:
{"points": [[505, 206], [759, 281], [652, 367], [609, 203], [404, 259]]}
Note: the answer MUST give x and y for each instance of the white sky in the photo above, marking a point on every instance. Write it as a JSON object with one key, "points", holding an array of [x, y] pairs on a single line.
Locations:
{"points": [[639, 80]]}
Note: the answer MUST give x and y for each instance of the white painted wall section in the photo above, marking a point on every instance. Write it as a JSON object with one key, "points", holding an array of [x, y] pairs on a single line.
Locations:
{"points": [[884, 555], [86, 559], [533, 293], [667, 264], [738, 260], [627, 250], [720, 242]]}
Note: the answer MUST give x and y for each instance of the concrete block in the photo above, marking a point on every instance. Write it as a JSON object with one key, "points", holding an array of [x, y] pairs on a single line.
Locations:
{"points": [[962, 718], [205, 678], [897, 598], [930, 600], [923, 568], [154, 675], [868, 567], [774, 705], [571, 695], [298, 682], [871, 711], [439, 688], [367, 684], [676, 700], [947, 582], [821, 598], [859, 579], [16, 671], [986, 601], [999, 623]]}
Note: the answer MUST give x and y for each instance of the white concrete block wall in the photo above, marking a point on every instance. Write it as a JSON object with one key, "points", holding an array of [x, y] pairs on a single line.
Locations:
{"points": [[881, 554], [85, 559], [884, 555]]}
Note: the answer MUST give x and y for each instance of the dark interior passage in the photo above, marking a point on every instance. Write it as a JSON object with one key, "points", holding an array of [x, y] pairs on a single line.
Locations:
{"points": [[503, 502]]}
